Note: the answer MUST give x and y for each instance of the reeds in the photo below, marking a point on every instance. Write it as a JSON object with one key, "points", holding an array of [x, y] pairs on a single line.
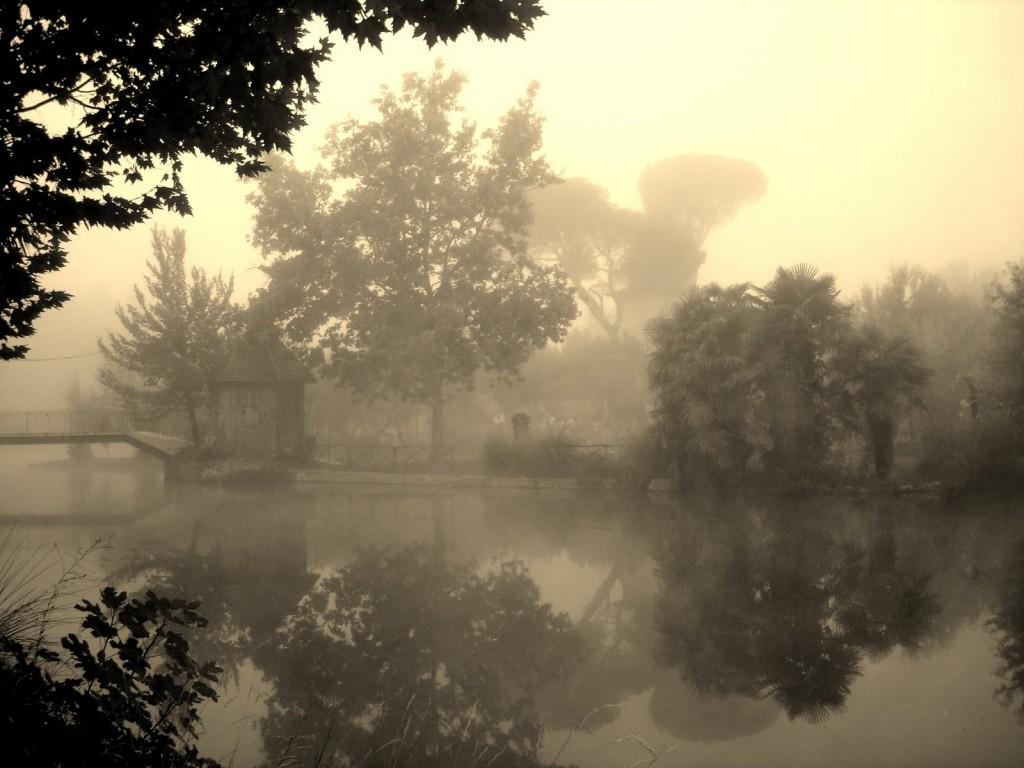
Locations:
{"points": [[37, 585]]}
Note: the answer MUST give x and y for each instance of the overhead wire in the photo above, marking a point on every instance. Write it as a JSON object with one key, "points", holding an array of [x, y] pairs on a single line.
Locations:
{"points": [[51, 359]]}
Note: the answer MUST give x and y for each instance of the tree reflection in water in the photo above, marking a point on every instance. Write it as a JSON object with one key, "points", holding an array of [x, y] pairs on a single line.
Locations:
{"points": [[246, 563], [1008, 625], [676, 708], [400, 659], [240, 613], [781, 604]]}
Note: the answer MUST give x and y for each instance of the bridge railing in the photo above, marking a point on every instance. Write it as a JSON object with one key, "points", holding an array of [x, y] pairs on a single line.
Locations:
{"points": [[64, 422]]}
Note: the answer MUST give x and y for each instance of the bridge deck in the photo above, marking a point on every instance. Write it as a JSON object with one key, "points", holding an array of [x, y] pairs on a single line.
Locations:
{"points": [[161, 446]]}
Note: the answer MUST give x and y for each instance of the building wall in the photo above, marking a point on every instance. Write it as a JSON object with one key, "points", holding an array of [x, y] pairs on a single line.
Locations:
{"points": [[291, 435], [259, 419]]}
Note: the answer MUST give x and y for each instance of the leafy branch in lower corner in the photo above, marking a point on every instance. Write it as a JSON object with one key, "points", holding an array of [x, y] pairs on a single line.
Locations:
{"points": [[125, 694]]}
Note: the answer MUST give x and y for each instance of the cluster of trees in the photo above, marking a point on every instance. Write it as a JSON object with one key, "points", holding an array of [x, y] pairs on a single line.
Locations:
{"points": [[968, 331], [625, 267], [789, 379], [422, 255], [151, 85], [775, 377]]}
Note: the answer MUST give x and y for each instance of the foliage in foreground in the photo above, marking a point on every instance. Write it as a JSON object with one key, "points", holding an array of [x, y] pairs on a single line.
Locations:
{"points": [[126, 694]]}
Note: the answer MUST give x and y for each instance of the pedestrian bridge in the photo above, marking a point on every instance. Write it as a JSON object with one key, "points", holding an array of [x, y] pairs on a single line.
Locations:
{"points": [[68, 427]]}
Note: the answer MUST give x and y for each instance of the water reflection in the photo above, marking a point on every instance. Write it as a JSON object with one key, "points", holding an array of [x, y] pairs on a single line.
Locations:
{"points": [[616, 630], [677, 708], [783, 604], [245, 562], [400, 628], [401, 658], [1008, 624], [78, 480]]}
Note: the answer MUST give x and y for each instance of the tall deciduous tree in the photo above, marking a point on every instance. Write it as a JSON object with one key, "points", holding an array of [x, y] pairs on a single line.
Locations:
{"points": [[619, 260], [175, 337], [416, 275], [700, 192], [151, 83]]}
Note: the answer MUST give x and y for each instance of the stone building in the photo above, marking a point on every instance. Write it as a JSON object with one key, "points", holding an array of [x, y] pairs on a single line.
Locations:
{"points": [[259, 400]]}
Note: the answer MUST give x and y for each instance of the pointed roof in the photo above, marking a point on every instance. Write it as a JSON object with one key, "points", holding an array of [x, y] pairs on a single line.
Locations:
{"points": [[262, 357]]}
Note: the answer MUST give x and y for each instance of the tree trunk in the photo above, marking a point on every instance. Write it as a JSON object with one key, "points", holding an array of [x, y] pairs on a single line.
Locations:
{"points": [[597, 311], [437, 428], [193, 424], [883, 433]]}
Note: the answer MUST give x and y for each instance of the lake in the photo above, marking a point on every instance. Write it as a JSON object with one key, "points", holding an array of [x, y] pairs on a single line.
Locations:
{"points": [[357, 621]]}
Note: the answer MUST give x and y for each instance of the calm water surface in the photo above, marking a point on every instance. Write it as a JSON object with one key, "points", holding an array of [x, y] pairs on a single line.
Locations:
{"points": [[701, 632]]}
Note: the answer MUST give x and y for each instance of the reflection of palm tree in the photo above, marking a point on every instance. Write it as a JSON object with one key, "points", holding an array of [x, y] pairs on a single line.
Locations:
{"points": [[783, 607], [399, 658], [1008, 624]]}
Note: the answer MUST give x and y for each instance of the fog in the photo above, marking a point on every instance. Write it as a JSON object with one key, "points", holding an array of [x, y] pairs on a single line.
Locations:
{"points": [[645, 387], [889, 133]]}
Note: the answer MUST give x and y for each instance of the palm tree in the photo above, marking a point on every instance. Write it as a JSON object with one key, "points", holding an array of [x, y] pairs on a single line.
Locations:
{"points": [[802, 326], [706, 377], [884, 377]]}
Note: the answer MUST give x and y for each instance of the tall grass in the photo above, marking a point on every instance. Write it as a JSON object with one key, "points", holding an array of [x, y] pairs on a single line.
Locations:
{"points": [[38, 584]]}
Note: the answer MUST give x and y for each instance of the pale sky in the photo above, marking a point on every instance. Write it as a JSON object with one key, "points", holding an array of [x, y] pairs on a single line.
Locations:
{"points": [[889, 131]]}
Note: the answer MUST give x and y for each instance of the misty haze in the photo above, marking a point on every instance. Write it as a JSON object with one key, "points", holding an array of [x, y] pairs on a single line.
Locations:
{"points": [[492, 383]]}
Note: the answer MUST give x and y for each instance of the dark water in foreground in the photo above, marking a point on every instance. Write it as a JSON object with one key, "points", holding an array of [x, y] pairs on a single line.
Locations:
{"points": [[355, 621]]}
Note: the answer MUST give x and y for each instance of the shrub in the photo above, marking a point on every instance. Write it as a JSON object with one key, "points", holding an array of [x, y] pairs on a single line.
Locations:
{"points": [[127, 695], [979, 454], [543, 457]]}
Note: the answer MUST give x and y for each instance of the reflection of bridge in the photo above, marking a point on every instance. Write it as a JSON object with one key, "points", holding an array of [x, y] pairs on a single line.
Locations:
{"points": [[66, 427]]}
